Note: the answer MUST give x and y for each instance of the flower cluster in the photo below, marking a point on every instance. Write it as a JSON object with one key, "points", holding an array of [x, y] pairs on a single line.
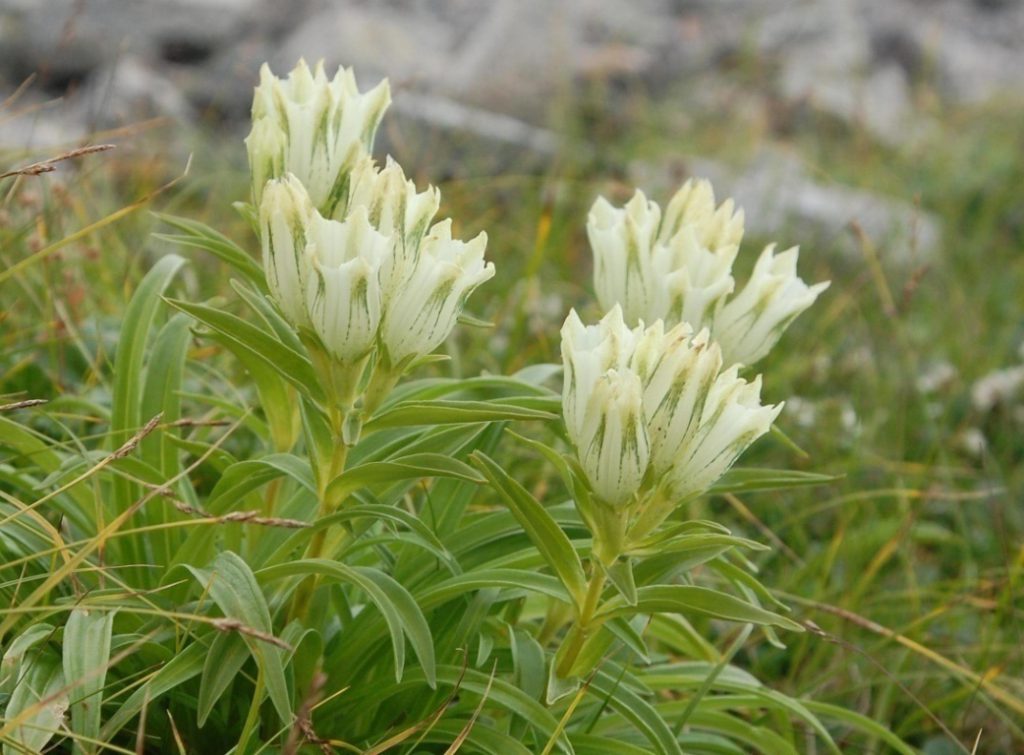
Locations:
{"points": [[677, 268], [650, 404], [350, 250]]}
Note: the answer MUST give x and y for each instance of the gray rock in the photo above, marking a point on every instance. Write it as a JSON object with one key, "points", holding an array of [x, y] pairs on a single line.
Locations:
{"points": [[512, 56], [781, 201], [66, 37], [130, 90]]}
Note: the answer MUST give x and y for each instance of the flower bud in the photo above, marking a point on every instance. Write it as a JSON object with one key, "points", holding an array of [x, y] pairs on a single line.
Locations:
{"points": [[589, 351], [422, 308], [700, 280], [753, 320], [343, 298], [629, 264], [611, 440], [693, 206], [732, 418], [313, 127], [396, 209], [285, 214]]}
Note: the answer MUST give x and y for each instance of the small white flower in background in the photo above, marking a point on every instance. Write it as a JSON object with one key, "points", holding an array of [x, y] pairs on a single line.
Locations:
{"points": [[973, 442], [678, 268], [997, 387], [285, 214], [754, 320], [313, 127], [732, 419], [612, 441], [343, 296], [423, 307], [935, 377], [695, 419]]}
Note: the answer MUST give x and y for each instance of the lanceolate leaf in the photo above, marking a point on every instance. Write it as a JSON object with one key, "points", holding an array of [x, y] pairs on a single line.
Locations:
{"points": [[403, 468], [86, 656], [201, 236], [545, 533], [258, 343], [743, 480], [686, 599], [37, 705], [234, 589], [401, 612], [443, 412]]}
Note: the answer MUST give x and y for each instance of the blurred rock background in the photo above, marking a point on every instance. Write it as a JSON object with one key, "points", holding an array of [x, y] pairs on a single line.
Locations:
{"points": [[510, 79]]}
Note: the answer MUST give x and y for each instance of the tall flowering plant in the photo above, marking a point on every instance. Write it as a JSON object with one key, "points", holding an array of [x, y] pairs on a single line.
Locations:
{"points": [[351, 511]]}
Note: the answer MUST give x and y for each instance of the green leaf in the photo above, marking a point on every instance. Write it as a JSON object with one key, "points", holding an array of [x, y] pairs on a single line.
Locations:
{"points": [[410, 467], [86, 654], [243, 337], [400, 610], [635, 709], [10, 667], [858, 721], [621, 576], [126, 413], [545, 533], [179, 669], [234, 589], [369, 511], [225, 658], [37, 705], [689, 599], [744, 480], [445, 412], [201, 236], [482, 579]]}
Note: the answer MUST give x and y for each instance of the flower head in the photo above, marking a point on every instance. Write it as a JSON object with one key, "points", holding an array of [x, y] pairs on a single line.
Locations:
{"points": [[677, 267], [313, 127], [692, 420]]}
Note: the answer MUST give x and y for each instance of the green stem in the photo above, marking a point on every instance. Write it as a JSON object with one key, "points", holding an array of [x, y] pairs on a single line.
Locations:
{"points": [[584, 625]]}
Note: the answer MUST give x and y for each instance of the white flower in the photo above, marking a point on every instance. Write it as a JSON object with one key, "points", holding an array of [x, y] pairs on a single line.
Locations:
{"points": [[422, 309], [732, 419], [313, 127], [677, 267], [629, 265], [285, 214], [693, 206], [343, 297], [678, 371], [753, 320], [996, 388], [588, 352], [694, 420], [612, 442], [396, 209]]}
